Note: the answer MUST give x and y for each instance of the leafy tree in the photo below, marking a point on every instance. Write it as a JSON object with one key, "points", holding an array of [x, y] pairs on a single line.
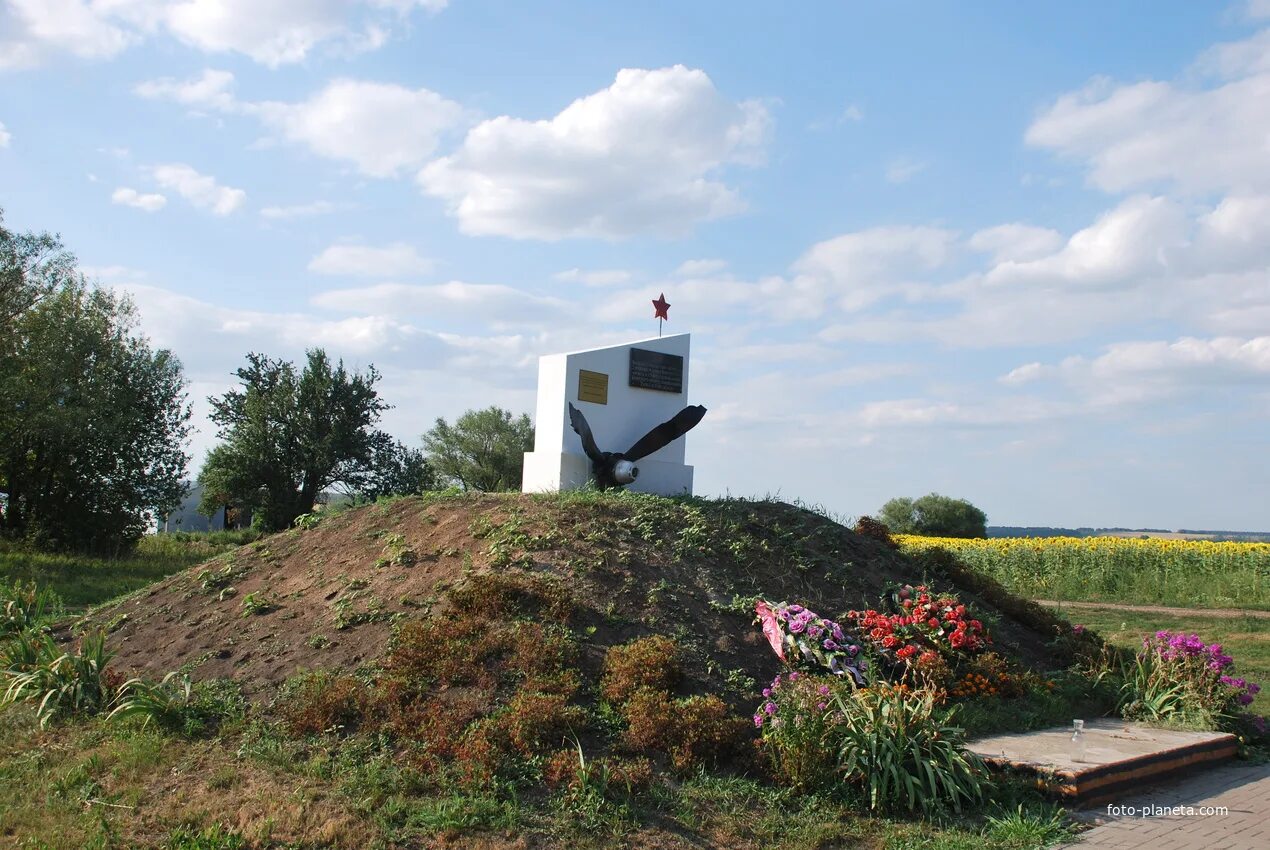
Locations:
{"points": [[32, 265], [395, 470], [935, 516], [482, 450], [94, 422], [289, 435]]}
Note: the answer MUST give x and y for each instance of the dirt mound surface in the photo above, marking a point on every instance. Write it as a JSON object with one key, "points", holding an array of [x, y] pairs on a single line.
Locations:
{"points": [[330, 596]]}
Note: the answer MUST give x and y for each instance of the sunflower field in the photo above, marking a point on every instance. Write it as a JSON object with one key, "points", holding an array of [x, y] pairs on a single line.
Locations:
{"points": [[1118, 569]]}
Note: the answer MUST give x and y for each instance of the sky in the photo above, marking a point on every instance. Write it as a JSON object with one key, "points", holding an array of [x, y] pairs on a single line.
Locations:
{"points": [[1016, 253]]}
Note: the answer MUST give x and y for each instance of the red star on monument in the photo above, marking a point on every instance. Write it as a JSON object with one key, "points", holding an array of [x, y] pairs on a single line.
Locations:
{"points": [[661, 307]]}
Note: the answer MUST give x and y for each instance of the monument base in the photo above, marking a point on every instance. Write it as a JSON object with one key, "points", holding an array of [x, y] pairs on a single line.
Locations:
{"points": [[552, 471]]}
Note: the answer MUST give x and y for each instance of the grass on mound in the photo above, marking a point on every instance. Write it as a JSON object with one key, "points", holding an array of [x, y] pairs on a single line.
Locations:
{"points": [[81, 581], [96, 785]]}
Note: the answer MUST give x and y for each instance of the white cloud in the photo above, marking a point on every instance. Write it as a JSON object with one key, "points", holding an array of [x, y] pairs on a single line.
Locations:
{"points": [[700, 268], [1023, 374], [211, 90], [132, 198], [298, 210], [594, 277], [1134, 373], [381, 128], [272, 33], [494, 303], [636, 157], [5, 136], [1190, 360], [33, 28], [200, 190], [1197, 139], [901, 169], [1140, 236], [1015, 242], [851, 113], [395, 260], [855, 270]]}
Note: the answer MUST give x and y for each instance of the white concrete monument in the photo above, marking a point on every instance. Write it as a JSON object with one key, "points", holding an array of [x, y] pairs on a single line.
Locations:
{"points": [[622, 392]]}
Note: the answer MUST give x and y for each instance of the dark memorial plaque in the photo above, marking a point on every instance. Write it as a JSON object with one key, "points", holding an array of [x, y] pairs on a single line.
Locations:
{"points": [[652, 370]]}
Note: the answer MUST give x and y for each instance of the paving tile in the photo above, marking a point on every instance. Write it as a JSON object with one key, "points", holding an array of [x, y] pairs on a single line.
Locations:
{"points": [[1243, 789]]}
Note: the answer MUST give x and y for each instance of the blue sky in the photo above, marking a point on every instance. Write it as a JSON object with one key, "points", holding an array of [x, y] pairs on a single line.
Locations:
{"points": [[1009, 252]]}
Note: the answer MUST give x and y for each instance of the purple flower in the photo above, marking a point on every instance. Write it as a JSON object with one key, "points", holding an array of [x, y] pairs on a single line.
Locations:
{"points": [[824, 690], [829, 645], [822, 706], [758, 721], [1078, 629], [794, 609], [797, 626], [769, 707], [837, 633], [814, 631], [767, 692], [793, 677]]}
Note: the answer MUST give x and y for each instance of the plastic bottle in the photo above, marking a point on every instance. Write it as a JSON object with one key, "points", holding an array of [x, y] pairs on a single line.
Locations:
{"points": [[1079, 740]]}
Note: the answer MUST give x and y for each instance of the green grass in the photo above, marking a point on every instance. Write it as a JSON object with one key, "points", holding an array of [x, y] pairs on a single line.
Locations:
{"points": [[1246, 639], [84, 580]]}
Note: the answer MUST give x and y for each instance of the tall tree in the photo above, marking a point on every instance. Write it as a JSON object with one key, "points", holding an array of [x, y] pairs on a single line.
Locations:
{"points": [[482, 450], [93, 422], [934, 515], [32, 265], [289, 435], [395, 470]]}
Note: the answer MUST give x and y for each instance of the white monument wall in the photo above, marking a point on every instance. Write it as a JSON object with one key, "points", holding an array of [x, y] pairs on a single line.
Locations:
{"points": [[558, 461]]}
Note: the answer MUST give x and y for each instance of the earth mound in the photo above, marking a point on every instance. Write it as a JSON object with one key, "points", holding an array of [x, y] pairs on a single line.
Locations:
{"points": [[332, 595]]}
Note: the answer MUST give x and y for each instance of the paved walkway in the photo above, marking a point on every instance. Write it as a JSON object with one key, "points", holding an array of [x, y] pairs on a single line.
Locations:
{"points": [[1219, 613], [1241, 789]]}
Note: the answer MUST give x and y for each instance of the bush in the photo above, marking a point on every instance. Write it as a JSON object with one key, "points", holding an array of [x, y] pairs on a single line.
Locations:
{"points": [[163, 704], [693, 732], [795, 724], [867, 526], [934, 515], [25, 607], [445, 676], [319, 702], [651, 662], [61, 682], [892, 745], [1177, 678]]}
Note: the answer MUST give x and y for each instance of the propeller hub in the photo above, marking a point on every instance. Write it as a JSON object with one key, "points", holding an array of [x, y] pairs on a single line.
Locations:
{"points": [[625, 472]]}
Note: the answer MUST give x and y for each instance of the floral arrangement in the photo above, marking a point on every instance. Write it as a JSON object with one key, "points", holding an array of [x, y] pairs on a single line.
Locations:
{"points": [[921, 622], [798, 635]]}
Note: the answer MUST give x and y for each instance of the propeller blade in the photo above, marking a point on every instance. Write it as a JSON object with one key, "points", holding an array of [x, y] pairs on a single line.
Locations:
{"points": [[579, 423], [666, 433]]}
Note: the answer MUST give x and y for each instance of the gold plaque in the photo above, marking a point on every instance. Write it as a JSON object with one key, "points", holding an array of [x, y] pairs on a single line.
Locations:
{"points": [[593, 387]]}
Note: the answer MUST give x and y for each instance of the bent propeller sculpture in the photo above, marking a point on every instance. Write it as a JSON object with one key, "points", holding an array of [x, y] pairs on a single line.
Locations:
{"points": [[612, 469]]}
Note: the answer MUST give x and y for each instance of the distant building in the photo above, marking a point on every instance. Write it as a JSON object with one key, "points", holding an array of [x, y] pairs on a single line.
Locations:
{"points": [[187, 518]]}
